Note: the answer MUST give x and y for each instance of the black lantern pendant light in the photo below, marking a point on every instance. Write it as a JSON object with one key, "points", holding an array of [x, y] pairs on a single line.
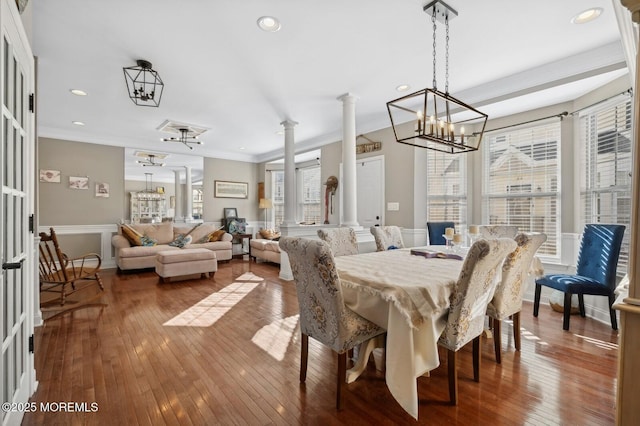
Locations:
{"points": [[433, 119], [143, 84]]}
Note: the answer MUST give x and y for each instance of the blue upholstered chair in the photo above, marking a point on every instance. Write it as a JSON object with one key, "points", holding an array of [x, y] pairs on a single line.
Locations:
{"points": [[436, 232], [595, 274]]}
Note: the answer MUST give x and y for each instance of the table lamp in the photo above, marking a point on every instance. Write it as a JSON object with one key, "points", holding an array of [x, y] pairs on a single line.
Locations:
{"points": [[265, 204]]}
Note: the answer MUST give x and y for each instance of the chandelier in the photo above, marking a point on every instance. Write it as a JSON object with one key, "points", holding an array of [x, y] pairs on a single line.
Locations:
{"points": [[433, 119], [143, 84], [150, 161], [184, 138]]}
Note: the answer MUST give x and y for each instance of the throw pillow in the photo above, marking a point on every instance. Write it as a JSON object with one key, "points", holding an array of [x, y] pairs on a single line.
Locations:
{"points": [[216, 235], [269, 234], [181, 241], [147, 241], [131, 235]]}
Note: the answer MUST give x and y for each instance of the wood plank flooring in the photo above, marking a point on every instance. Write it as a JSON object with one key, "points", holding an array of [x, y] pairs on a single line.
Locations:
{"points": [[235, 361]]}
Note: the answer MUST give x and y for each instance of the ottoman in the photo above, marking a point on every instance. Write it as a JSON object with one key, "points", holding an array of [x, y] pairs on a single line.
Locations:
{"points": [[185, 262]]}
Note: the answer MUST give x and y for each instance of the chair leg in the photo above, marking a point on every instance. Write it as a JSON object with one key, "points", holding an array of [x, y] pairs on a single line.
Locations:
{"points": [[476, 358], [497, 339], [612, 312], [453, 376], [567, 311], [341, 379], [304, 354], [516, 330], [536, 300], [581, 305]]}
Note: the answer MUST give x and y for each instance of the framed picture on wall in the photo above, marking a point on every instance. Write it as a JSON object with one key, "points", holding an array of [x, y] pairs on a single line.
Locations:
{"points": [[52, 176], [78, 182], [227, 189], [102, 190], [230, 212]]}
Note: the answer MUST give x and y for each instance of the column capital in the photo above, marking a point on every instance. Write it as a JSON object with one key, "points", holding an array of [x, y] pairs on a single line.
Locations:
{"points": [[348, 97], [289, 124], [634, 8]]}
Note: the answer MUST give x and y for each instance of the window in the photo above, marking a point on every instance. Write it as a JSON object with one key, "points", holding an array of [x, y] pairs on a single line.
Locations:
{"points": [[277, 188], [446, 187], [605, 168], [521, 180], [310, 199], [197, 203]]}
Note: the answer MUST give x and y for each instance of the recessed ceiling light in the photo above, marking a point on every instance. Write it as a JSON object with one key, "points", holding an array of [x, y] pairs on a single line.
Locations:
{"points": [[242, 148], [78, 92], [587, 15], [78, 123], [403, 88], [269, 24], [279, 132]]}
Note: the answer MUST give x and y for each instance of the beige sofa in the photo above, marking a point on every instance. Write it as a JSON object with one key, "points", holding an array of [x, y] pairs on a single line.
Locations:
{"points": [[140, 257], [265, 249]]}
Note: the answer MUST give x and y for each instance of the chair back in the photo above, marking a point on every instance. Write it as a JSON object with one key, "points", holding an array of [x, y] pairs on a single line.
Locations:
{"points": [[599, 251], [498, 231], [436, 232], [52, 261], [342, 241], [473, 290], [507, 299], [318, 288], [387, 236]]}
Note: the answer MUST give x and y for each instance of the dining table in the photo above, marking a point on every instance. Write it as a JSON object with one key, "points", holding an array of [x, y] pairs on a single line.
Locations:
{"points": [[408, 295]]}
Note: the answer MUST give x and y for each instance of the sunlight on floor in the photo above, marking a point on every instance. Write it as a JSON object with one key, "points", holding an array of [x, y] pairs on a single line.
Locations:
{"points": [[274, 338], [210, 309], [599, 343], [525, 334]]}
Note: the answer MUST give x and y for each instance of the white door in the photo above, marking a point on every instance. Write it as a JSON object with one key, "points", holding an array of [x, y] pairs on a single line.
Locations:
{"points": [[370, 190], [16, 205]]}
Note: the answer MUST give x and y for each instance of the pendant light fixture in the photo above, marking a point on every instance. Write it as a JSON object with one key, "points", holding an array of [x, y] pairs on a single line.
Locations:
{"points": [[184, 138], [143, 84], [433, 119]]}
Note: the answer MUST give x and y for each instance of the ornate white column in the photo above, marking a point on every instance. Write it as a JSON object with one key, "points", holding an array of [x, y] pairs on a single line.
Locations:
{"points": [[188, 196], [177, 212], [349, 182], [627, 407], [289, 173]]}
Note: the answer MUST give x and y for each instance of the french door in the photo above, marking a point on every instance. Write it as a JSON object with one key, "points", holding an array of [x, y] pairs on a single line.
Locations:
{"points": [[17, 291]]}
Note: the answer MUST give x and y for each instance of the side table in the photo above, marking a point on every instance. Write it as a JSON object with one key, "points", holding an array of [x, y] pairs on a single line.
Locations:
{"points": [[239, 239]]}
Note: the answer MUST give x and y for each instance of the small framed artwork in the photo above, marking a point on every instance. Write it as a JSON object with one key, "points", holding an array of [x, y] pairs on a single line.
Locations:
{"points": [[102, 190], [230, 212], [227, 189], [78, 182], [51, 176]]}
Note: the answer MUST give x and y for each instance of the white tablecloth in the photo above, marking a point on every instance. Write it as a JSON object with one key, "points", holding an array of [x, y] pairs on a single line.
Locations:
{"points": [[407, 295]]}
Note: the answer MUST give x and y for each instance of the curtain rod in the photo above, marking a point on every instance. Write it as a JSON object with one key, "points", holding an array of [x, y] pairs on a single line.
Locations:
{"points": [[561, 116], [629, 92]]}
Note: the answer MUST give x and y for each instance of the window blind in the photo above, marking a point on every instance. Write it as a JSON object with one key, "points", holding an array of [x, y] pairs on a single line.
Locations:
{"points": [[521, 180], [605, 167], [446, 187]]}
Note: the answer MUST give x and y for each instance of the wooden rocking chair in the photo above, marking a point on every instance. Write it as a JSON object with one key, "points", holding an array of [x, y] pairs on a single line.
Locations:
{"points": [[60, 274]]}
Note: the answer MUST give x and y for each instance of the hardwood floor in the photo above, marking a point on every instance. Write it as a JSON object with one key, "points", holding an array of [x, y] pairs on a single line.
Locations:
{"points": [[231, 356]]}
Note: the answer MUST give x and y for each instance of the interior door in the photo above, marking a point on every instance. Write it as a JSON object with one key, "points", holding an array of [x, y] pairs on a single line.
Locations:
{"points": [[370, 191], [16, 247]]}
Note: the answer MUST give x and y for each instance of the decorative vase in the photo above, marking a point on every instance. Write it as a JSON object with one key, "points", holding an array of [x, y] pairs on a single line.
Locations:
{"points": [[556, 301]]}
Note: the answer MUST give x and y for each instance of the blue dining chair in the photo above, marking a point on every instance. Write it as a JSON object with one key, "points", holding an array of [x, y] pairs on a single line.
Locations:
{"points": [[436, 232], [595, 273]]}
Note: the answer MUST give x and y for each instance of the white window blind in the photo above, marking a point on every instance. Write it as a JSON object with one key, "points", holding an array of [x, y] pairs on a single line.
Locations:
{"points": [[446, 187], [311, 186], [521, 180], [605, 167], [277, 195]]}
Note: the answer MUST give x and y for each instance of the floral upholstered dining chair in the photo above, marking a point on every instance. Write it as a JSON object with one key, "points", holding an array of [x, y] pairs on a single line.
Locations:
{"points": [[387, 237], [323, 314], [498, 231], [507, 299], [468, 304], [342, 241]]}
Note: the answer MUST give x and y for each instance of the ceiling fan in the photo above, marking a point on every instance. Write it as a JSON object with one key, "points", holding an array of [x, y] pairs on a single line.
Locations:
{"points": [[150, 161], [184, 138]]}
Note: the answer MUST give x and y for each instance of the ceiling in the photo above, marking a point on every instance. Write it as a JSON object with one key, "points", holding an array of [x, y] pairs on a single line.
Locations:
{"points": [[222, 73]]}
